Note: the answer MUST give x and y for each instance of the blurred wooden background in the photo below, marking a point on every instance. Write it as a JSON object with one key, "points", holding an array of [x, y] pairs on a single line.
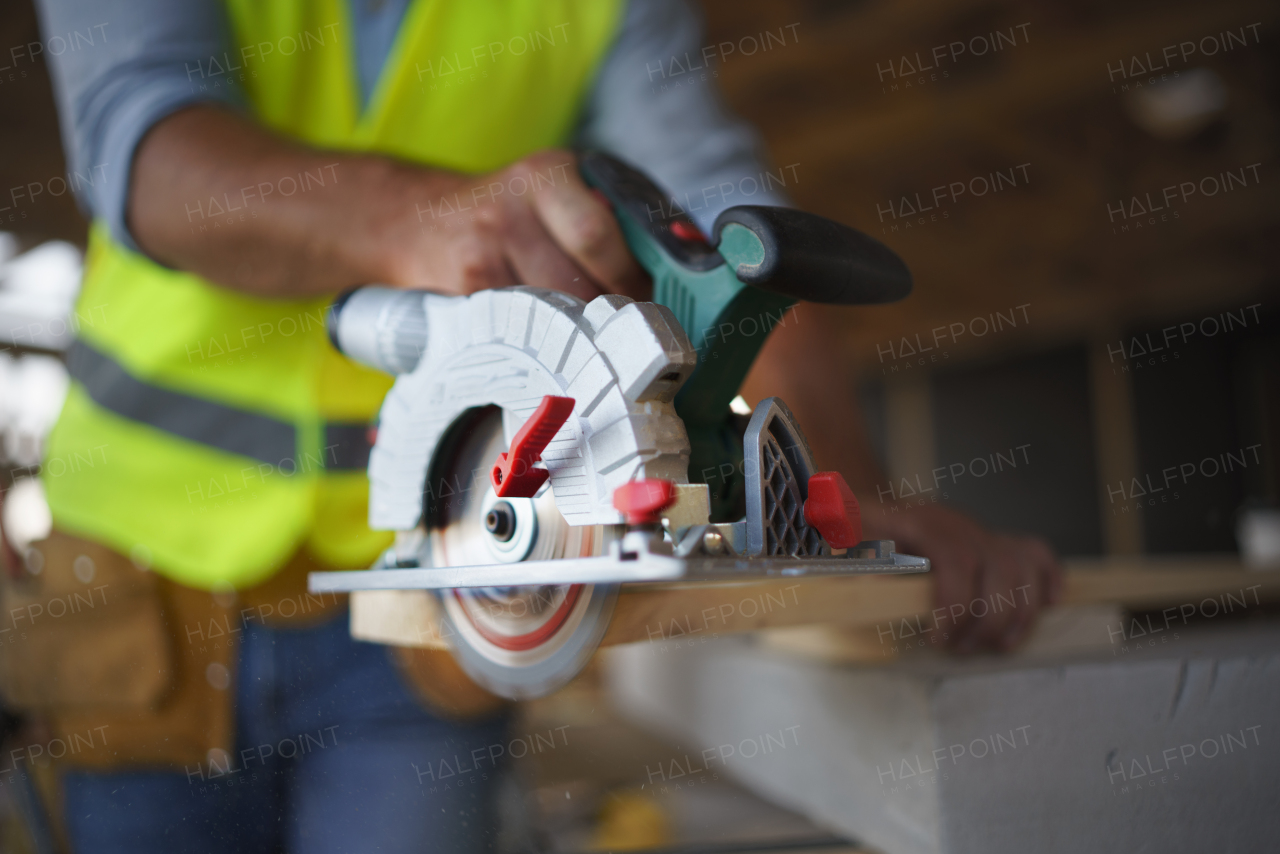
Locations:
{"points": [[1094, 419], [823, 98], [1048, 102]]}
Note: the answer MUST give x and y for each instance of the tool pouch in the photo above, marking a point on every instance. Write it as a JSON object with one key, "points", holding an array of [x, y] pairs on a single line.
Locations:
{"points": [[82, 628]]}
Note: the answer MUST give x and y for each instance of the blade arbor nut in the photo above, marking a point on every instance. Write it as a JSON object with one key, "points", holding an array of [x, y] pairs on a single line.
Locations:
{"points": [[501, 521]]}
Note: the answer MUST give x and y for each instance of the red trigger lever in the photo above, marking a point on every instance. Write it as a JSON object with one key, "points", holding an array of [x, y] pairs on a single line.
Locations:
{"points": [[513, 475]]}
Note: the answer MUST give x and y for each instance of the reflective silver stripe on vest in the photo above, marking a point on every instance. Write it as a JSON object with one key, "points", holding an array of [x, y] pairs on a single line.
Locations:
{"points": [[346, 446], [227, 428]]}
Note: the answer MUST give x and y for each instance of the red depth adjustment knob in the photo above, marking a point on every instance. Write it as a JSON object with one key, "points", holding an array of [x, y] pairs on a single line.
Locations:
{"points": [[641, 502], [832, 508], [513, 475]]}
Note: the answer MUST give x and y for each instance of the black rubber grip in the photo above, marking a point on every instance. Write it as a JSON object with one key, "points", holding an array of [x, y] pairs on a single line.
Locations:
{"points": [[816, 259]]}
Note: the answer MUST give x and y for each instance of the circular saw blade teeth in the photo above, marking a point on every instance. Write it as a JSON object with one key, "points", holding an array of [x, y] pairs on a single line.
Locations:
{"points": [[518, 642]]}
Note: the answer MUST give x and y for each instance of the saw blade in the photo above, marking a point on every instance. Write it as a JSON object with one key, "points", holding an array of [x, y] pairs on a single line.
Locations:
{"points": [[520, 641]]}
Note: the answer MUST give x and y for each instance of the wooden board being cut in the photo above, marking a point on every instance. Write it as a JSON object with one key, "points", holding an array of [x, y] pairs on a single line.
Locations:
{"points": [[650, 612]]}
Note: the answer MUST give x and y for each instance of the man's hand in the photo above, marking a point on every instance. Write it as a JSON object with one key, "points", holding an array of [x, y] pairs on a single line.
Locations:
{"points": [[533, 223], [217, 195], [969, 562], [989, 586]]}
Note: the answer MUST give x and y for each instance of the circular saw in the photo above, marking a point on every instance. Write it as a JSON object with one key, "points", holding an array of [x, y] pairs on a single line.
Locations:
{"points": [[536, 451]]}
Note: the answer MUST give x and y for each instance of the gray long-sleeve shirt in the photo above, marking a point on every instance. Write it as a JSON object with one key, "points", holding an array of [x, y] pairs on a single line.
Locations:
{"points": [[138, 69]]}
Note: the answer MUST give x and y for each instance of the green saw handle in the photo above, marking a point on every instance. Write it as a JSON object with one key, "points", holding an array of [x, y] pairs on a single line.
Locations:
{"points": [[730, 291]]}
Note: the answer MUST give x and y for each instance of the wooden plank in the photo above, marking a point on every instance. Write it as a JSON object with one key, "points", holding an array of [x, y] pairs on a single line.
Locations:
{"points": [[650, 615], [656, 612], [1064, 629], [1174, 582], [643, 615], [397, 617]]}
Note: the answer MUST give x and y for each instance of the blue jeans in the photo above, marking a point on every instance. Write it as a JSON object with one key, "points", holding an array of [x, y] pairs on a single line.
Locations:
{"points": [[334, 754]]}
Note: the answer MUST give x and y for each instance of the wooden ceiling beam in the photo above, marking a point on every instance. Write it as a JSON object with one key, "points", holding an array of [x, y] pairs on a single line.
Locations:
{"points": [[1056, 71]]}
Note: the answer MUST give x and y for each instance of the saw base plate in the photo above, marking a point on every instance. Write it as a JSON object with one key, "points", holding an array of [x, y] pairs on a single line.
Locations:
{"points": [[618, 567]]}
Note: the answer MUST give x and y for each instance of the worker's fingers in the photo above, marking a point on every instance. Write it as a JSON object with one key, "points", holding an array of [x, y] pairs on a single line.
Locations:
{"points": [[1049, 576], [539, 261], [988, 588], [1039, 586], [457, 260], [1044, 580], [955, 576], [1024, 618], [1028, 595], [998, 577], [475, 262], [584, 226], [1051, 572]]}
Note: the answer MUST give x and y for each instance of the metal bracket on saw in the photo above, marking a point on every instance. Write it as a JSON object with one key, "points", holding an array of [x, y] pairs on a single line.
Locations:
{"points": [[626, 564]]}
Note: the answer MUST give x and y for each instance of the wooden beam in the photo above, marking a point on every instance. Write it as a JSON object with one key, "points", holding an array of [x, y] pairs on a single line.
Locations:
{"points": [[660, 612], [910, 448], [1116, 440], [1053, 70], [645, 615]]}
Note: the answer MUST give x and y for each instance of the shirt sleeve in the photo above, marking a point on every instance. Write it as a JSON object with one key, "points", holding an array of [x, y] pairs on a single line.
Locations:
{"points": [[123, 66], [656, 104]]}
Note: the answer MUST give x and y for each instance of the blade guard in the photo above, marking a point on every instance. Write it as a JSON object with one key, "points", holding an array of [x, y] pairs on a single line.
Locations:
{"points": [[622, 361]]}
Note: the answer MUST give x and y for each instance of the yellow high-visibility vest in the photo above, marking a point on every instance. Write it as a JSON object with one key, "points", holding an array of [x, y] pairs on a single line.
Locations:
{"points": [[211, 434]]}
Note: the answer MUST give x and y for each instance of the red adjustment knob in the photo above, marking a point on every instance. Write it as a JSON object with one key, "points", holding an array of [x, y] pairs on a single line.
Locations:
{"points": [[833, 510], [513, 475], [641, 502], [687, 231]]}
